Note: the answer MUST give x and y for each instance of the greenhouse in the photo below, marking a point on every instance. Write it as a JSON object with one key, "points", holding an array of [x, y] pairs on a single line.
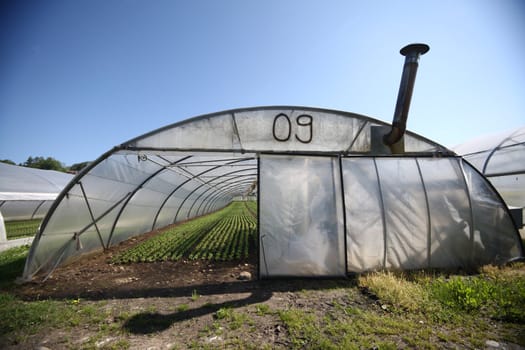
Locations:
{"points": [[332, 198], [501, 158], [337, 192], [27, 193]]}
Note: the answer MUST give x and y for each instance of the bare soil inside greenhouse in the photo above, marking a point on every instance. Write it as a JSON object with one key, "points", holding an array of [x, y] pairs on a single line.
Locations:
{"points": [[96, 277]]}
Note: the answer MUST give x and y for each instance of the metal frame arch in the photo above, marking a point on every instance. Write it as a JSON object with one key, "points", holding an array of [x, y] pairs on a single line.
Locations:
{"points": [[211, 197], [469, 188], [138, 188], [491, 153], [205, 200], [185, 182], [497, 148], [207, 183], [213, 201], [129, 145], [36, 209], [56, 203], [227, 193], [188, 190], [217, 189]]}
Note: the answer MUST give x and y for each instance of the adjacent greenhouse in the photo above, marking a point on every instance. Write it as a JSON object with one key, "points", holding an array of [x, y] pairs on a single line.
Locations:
{"points": [[27, 193], [501, 158], [332, 199]]}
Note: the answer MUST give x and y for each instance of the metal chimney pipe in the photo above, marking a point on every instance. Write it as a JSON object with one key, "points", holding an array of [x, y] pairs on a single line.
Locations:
{"points": [[411, 53]]}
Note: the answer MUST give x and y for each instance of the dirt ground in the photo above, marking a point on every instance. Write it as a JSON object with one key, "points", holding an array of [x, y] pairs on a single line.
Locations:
{"points": [[95, 277], [174, 305], [157, 293]]}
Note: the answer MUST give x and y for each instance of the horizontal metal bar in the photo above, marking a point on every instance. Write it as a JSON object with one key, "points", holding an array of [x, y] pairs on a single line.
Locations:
{"points": [[508, 173]]}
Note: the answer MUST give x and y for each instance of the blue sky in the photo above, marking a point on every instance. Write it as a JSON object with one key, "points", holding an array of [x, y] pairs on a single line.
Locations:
{"points": [[79, 77]]}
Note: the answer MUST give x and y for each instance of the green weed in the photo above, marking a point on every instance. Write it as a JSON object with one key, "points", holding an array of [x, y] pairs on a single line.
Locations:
{"points": [[29, 317], [235, 319], [262, 309], [194, 295], [499, 294], [182, 307], [397, 292], [12, 263]]}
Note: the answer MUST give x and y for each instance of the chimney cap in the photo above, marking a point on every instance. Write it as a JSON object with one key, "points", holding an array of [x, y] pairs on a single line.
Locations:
{"points": [[415, 48]]}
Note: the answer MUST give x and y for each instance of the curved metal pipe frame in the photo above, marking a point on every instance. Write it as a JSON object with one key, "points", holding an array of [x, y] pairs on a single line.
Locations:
{"points": [[205, 200], [188, 180], [238, 186], [207, 183], [213, 201], [216, 188], [138, 188]]}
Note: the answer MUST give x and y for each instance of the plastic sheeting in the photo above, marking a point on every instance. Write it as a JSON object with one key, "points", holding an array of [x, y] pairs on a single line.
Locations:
{"points": [[125, 195], [318, 172], [275, 129], [400, 213], [27, 193], [301, 217], [501, 158]]}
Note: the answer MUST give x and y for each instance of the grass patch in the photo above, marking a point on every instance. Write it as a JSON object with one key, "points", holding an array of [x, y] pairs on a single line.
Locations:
{"points": [[302, 328], [12, 263], [396, 292], [351, 327], [263, 309], [348, 328], [22, 228], [234, 319], [444, 310], [498, 293], [21, 319]]}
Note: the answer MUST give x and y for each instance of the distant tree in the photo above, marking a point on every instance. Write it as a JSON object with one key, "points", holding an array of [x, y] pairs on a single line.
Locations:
{"points": [[78, 166], [7, 161], [48, 163]]}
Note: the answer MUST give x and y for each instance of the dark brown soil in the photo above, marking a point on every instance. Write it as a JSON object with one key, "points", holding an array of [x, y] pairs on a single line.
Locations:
{"points": [[96, 277]]}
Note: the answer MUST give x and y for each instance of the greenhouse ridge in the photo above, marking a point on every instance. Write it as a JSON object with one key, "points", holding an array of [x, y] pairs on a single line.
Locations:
{"points": [[331, 200]]}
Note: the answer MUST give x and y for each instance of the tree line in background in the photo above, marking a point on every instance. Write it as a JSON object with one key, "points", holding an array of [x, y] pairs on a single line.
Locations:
{"points": [[48, 163]]}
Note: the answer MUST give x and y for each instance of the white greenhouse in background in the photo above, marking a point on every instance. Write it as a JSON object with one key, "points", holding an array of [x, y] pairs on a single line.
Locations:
{"points": [[332, 199], [501, 158], [27, 193]]}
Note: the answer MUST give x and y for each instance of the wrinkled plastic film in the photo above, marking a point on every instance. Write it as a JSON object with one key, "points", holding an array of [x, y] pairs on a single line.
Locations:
{"points": [[364, 220], [495, 238], [301, 232], [405, 213], [450, 213]]}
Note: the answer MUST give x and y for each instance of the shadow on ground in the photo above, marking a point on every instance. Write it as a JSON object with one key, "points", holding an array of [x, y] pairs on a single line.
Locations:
{"points": [[260, 291]]}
